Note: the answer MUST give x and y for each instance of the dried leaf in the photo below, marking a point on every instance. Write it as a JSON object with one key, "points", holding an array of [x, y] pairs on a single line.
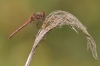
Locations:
{"points": [[59, 18]]}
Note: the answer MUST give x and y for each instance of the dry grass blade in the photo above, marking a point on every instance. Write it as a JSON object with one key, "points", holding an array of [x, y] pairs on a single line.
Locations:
{"points": [[57, 19]]}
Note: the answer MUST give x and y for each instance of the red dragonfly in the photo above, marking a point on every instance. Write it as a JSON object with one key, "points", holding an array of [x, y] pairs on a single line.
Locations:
{"points": [[35, 17]]}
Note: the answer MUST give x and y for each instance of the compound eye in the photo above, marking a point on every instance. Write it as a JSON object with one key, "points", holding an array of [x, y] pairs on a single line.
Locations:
{"points": [[42, 14]]}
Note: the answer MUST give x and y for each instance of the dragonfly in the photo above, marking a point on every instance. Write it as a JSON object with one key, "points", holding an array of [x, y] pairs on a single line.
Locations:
{"points": [[34, 17]]}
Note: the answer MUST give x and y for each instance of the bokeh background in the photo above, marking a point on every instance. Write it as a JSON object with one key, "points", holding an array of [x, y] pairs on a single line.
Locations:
{"points": [[62, 46]]}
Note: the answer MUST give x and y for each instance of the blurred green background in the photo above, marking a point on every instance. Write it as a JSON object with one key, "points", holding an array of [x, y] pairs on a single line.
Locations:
{"points": [[62, 46]]}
